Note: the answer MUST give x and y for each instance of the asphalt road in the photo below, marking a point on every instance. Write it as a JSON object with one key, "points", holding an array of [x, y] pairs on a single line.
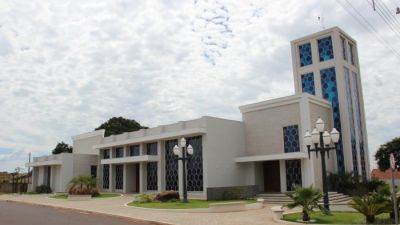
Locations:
{"points": [[24, 214]]}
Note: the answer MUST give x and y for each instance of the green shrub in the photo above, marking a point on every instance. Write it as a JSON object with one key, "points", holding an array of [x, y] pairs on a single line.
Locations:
{"points": [[167, 196], [42, 189], [144, 198], [350, 184], [370, 205]]}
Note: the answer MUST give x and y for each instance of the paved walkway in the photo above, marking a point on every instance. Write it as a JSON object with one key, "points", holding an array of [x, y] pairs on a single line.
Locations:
{"points": [[116, 206]]}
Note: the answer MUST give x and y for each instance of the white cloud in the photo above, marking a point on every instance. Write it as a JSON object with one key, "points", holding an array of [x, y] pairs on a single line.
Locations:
{"points": [[68, 66]]}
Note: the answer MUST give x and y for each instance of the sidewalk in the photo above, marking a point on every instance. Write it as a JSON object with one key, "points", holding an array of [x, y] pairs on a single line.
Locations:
{"points": [[116, 206]]}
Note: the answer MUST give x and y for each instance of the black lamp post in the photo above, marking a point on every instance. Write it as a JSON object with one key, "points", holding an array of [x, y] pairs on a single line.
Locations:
{"points": [[322, 143], [183, 154]]}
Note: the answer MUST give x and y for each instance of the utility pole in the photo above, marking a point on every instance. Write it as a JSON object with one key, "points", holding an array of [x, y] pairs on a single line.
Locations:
{"points": [[394, 195]]}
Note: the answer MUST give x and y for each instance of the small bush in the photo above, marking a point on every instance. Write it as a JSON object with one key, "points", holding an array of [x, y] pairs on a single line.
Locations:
{"points": [[167, 196], [350, 184], [43, 189], [144, 198]]}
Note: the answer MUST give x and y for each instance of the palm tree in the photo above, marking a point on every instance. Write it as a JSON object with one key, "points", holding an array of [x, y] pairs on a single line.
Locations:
{"points": [[83, 184], [308, 198], [370, 205]]}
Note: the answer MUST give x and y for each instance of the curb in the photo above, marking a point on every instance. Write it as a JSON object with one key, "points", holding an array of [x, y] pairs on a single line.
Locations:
{"points": [[90, 212]]}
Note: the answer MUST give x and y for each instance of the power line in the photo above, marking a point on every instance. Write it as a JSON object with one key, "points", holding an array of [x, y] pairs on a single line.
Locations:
{"points": [[368, 26], [385, 16], [389, 13]]}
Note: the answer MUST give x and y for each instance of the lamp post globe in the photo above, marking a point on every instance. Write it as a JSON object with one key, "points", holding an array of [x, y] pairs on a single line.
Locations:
{"points": [[183, 142], [315, 136], [176, 150], [190, 150], [335, 135], [320, 125], [327, 138]]}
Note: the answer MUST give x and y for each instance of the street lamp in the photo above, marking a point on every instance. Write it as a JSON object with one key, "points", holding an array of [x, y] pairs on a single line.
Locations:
{"points": [[321, 141], [183, 154]]}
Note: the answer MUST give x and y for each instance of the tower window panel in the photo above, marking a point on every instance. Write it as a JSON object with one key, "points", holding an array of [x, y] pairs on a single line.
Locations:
{"points": [[325, 49], [307, 83], [106, 153], [351, 50], [344, 48], [305, 54], [349, 99], [330, 93]]}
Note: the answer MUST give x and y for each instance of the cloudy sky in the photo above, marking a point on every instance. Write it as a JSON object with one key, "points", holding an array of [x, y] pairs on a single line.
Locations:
{"points": [[67, 66]]}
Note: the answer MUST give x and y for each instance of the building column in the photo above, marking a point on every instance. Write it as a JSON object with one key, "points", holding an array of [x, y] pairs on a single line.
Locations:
{"points": [[124, 179], [160, 167], [142, 177], [111, 178], [282, 168]]}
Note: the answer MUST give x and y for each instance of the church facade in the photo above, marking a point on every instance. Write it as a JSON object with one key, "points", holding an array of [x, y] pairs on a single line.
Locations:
{"points": [[264, 152]]}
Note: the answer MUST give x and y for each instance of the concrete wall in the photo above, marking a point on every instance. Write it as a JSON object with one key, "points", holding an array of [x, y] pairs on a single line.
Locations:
{"points": [[264, 128], [223, 142], [83, 143]]}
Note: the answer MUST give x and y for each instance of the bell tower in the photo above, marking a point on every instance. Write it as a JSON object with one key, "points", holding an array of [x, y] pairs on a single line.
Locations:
{"points": [[325, 64]]}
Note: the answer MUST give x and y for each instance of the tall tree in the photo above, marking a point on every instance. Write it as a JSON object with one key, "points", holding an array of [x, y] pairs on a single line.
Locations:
{"points": [[62, 147], [383, 154], [119, 125]]}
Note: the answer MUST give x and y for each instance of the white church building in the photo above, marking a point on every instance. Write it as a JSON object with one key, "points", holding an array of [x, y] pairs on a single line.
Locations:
{"points": [[264, 152]]}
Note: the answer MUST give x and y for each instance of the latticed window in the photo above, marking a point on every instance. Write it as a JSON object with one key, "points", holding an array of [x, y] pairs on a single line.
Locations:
{"points": [[344, 48], [119, 152], [291, 138], [305, 54], [134, 150], [171, 166], [325, 49], [152, 176], [93, 171], [106, 153], [106, 174], [151, 148], [195, 165], [351, 50], [293, 174], [119, 177], [307, 83]]}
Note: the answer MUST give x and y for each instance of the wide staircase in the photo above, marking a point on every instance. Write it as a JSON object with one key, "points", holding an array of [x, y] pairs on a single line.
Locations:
{"points": [[335, 198]]}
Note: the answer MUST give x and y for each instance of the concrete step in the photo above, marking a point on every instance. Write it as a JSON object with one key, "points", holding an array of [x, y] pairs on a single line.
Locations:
{"points": [[282, 198]]}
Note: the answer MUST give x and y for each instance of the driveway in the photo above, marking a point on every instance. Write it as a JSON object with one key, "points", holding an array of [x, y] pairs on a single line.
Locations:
{"points": [[116, 206], [12, 213]]}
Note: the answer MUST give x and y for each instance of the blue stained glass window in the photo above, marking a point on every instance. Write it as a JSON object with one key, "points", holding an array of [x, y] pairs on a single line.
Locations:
{"points": [[325, 49], [291, 138], [358, 122], [171, 166], [305, 54], [293, 173], [351, 120], [307, 83], [195, 165], [152, 176], [329, 92], [151, 148]]}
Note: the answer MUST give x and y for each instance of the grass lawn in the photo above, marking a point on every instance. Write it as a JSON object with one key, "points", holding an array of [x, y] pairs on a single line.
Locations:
{"points": [[193, 203], [338, 218], [102, 195]]}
